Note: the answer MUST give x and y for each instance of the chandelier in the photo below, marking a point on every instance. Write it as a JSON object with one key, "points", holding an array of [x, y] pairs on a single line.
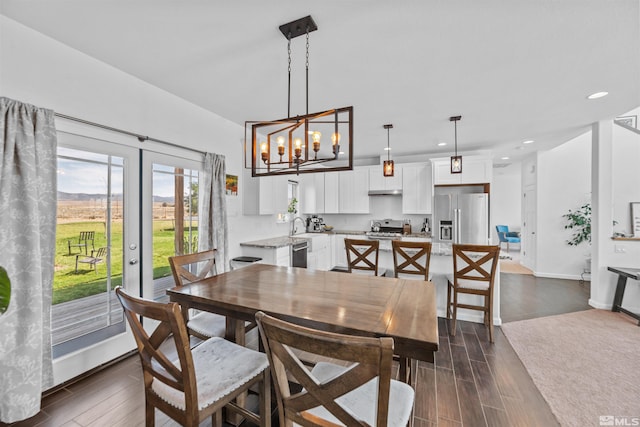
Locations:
{"points": [[304, 143], [456, 161]]}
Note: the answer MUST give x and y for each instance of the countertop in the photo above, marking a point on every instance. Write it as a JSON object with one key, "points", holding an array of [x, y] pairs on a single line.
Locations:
{"points": [[275, 242]]}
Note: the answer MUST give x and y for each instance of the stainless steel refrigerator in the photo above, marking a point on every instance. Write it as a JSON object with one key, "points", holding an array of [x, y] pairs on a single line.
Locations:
{"points": [[461, 218]]}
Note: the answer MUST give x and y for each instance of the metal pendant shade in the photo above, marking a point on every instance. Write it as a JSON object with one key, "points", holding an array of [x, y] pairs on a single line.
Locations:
{"points": [[456, 161], [388, 166], [313, 142]]}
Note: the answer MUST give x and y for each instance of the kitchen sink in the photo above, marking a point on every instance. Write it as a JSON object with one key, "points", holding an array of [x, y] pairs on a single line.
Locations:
{"points": [[316, 241]]}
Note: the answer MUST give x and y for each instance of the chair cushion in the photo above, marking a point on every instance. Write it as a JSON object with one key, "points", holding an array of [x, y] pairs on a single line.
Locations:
{"points": [[512, 239], [209, 324], [362, 401], [413, 276], [220, 368], [469, 284]]}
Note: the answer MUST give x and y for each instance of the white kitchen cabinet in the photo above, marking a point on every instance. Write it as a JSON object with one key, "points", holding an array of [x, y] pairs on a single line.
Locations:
{"points": [[265, 195], [417, 189], [354, 191], [331, 192], [475, 170], [339, 253], [379, 182], [311, 188], [274, 256]]}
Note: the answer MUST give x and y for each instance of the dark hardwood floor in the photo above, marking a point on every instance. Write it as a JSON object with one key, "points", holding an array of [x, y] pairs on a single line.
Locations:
{"points": [[471, 383]]}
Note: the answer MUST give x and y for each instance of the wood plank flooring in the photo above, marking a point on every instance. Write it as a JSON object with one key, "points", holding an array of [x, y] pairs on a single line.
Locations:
{"points": [[471, 383]]}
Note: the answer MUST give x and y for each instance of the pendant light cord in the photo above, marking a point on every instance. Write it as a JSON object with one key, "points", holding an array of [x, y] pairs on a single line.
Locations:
{"points": [[289, 71], [307, 66], [455, 133], [388, 150]]}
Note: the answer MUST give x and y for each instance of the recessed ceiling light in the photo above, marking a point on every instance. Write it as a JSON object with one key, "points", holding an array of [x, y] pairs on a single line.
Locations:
{"points": [[441, 144], [387, 148], [597, 95], [504, 158], [529, 141], [341, 152]]}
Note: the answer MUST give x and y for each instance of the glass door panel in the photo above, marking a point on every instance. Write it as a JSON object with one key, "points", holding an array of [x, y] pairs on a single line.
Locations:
{"points": [[171, 200], [91, 242]]}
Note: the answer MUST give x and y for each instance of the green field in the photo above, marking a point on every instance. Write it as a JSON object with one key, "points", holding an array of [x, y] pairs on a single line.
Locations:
{"points": [[69, 285]]}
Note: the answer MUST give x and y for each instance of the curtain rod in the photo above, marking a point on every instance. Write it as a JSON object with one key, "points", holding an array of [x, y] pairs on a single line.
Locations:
{"points": [[141, 138]]}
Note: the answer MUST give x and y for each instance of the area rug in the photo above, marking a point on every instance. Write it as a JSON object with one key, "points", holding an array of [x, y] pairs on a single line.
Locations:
{"points": [[586, 365], [513, 267]]}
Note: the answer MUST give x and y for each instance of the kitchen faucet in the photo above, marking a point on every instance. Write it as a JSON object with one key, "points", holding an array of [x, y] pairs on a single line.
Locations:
{"points": [[293, 225]]}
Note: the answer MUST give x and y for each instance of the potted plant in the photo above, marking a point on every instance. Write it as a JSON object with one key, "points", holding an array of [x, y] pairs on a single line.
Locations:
{"points": [[5, 290]]}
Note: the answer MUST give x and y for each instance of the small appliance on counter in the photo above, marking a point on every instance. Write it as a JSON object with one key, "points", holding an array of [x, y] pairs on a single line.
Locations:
{"points": [[386, 229], [315, 224]]}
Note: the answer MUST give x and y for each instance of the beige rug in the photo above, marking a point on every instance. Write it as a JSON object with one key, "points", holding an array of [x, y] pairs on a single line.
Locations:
{"points": [[513, 267], [585, 364]]}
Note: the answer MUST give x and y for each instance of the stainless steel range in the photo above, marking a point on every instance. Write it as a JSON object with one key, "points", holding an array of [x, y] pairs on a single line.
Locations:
{"points": [[386, 229]]}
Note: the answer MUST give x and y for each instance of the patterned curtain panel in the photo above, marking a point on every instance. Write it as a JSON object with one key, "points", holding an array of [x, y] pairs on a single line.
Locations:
{"points": [[27, 232], [213, 229]]}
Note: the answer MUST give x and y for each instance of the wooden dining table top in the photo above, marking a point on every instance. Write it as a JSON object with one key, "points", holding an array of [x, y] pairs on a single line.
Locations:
{"points": [[333, 301]]}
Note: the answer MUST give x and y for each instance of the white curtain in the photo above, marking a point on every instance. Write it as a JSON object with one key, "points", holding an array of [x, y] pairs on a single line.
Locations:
{"points": [[213, 229], [27, 235]]}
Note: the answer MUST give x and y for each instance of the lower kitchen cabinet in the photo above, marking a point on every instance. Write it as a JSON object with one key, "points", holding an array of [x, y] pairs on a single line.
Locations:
{"points": [[275, 256]]}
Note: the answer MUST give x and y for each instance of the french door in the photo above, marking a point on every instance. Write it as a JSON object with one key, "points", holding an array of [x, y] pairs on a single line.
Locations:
{"points": [[97, 249]]}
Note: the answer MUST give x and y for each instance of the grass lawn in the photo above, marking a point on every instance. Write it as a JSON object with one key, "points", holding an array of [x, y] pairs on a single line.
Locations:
{"points": [[69, 285]]}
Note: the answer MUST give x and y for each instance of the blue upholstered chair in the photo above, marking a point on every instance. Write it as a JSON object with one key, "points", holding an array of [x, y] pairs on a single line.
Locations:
{"points": [[506, 236]]}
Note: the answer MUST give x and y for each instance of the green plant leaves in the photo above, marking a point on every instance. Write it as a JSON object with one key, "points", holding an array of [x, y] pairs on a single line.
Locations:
{"points": [[5, 290], [579, 221]]}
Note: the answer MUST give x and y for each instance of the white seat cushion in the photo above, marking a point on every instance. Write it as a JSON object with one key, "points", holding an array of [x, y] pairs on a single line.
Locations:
{"points": [[209, 324], [469, 284], [362, 401], [220, 368], [413, 276]]}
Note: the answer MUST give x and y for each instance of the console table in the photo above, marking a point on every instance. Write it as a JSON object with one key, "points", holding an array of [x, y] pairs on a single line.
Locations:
{"points": [[624, 273]]}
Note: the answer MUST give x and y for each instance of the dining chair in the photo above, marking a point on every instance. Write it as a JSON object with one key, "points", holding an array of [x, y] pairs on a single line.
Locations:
{"points": [[192, 268], [362, 255], [187, 384], [96, 257], [474, 272], [506, 236], [411, 259], [361, 393]]}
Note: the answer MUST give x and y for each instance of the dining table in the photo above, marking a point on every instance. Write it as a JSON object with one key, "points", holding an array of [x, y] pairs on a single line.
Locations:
{"points": [[353, 304]]}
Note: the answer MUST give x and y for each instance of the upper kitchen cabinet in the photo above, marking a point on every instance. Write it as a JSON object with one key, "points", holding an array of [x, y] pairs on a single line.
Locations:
{"points": [[266, 195], [311, 193], [475, 170], [417, 189], [353, 191], [332, 192], [379, 182]]}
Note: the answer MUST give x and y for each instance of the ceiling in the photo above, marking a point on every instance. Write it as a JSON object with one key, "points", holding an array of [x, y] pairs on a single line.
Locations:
{"points": [[514, 70]]}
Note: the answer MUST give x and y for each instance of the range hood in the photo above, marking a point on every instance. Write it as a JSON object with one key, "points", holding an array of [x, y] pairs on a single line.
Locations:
{"points": [[397, 192]]}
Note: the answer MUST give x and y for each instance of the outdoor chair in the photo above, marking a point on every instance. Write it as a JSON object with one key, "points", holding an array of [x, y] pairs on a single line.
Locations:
{"points": [[192, 268], [83, 241], [474, 272], [96, 257], [360, 392], [187, 384]]}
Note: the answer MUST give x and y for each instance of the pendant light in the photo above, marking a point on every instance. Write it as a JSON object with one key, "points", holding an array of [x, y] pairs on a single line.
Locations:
{"points": [[387, 165], [294, 145], [456, 161]]}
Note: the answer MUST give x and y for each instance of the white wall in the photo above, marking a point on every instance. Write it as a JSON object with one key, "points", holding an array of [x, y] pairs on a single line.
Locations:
{"points": [[38, 70], [506, 194], [564, 182]]}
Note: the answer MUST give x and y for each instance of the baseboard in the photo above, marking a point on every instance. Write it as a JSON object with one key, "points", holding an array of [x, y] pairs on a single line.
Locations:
{"points": [[559, 276], [595, 304], [475, 318]]}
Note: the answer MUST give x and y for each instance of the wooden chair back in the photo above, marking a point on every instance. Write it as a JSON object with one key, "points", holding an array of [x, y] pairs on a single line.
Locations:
{"points": [[193, 267], [362, 254], [371, 357], [155, 363], [411, 258], [475, 265]]}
